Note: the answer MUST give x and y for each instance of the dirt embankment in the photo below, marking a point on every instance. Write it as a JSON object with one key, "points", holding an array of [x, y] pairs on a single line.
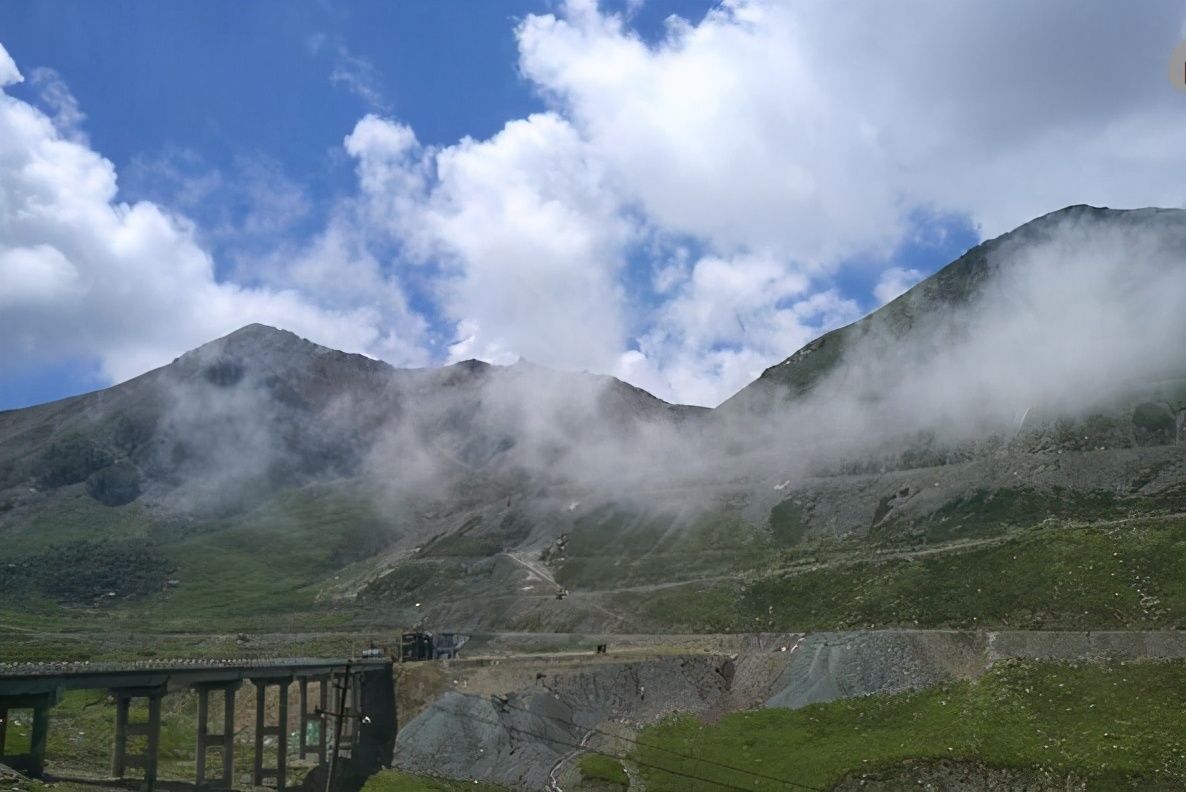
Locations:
{"points": [[511, 722], [829, 666], [514, 720]]}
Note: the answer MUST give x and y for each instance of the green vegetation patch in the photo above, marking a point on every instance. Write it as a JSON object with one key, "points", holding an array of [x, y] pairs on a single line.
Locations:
{"points": [[116, 485], [1156, 419], [270, 559], [89, 571], [992, 512], [477, 540], [1114, 725], [595, 767], [1122, 576], [395, 781], [612, 548], [788, 523], [70, 460]]}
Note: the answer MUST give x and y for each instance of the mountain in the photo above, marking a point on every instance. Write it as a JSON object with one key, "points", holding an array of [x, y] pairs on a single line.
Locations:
{"points": [[952, 289], [1038, 380], [262, 409]]}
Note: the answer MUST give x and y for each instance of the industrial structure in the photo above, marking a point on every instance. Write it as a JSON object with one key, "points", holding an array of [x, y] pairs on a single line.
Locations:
{"points": [[430, 646]]}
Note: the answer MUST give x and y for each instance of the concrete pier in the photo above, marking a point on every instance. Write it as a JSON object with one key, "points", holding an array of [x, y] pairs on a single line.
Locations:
{"points": [[224, 741], [150, 729], [279, 730], [318, 716], [32, 762]]}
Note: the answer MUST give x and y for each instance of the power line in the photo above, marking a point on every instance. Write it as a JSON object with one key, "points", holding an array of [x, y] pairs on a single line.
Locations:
{"points": [[595, 730], [579, 747]]}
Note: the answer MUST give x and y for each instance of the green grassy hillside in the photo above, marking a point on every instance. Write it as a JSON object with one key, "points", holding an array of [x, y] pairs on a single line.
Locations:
{"points": [[1122, 575], [1115, 726]]}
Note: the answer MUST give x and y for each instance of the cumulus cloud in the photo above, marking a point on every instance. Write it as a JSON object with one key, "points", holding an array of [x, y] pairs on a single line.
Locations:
{"points": [[56, 96], [784, 140], [9, 73], [726, 322], [83, 275], [894, 282], [722, 131], [680, 213], [814, 130], [528, 238]]}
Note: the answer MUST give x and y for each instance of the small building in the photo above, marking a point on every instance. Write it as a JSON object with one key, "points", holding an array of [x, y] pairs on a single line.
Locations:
{"points": [[430, 646]]}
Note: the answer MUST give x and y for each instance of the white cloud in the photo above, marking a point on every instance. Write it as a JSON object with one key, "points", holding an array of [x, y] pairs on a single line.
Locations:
{"points": [[37, 275], [783, 139], [526, 232], [9, 73], [57, 97], [894, 282], [814, 129], [241, 210], [83, 275], [728, 321], [748, 155], [355, 74]]}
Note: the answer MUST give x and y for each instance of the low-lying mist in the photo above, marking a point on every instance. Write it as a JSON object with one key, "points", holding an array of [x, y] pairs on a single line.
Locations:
{"points": [[1079, 312]]}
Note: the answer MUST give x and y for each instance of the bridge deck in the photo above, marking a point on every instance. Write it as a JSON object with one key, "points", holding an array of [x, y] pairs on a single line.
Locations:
{"points": [[17, 679]]}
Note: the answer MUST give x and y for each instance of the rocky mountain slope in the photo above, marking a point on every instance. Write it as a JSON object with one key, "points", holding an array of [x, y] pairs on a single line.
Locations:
{"points": [[1040, 377]]}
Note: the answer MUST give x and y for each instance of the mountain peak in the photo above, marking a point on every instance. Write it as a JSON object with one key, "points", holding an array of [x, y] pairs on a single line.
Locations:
{"points": [[253, 340], [257, 330]]}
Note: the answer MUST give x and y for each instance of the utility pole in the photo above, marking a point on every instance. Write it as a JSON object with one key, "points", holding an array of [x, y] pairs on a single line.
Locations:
{"points": [[338, 719]]}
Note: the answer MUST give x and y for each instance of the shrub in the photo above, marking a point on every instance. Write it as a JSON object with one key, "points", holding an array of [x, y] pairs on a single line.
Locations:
{"points": [[116, 485], [1153, 418], [70, 460]]}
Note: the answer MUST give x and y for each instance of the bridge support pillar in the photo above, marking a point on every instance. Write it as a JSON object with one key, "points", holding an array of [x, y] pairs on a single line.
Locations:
{"points": [[349, 687], [279, 731], [149, 729], [345, 701], [119, 754], [317, 716], [225, 741], [31, 763]]}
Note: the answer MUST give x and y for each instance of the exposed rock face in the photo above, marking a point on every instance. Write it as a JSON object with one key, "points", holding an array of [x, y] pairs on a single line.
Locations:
{"points": [[830, 666], [510, 722], [516, 738]]}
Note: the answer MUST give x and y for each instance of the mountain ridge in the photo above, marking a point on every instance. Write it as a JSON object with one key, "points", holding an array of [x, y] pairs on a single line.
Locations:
{"points": [[315, 480]]}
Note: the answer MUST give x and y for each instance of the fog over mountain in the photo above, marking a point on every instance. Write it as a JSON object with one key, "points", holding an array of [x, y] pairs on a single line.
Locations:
{"points": [[1064, 336], [1074, 312]]}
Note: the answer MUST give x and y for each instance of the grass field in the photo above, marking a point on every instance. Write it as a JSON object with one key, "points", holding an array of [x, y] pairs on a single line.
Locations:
{"points": [[1130, 575], [395, 781], [262, 570], [1114, 725]]}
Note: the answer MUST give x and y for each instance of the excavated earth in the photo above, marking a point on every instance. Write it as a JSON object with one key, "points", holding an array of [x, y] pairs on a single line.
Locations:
{"points": [[519, 721]]}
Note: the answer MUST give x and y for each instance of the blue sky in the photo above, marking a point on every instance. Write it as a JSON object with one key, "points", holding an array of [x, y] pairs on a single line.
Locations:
{"points": [[675, 193]]}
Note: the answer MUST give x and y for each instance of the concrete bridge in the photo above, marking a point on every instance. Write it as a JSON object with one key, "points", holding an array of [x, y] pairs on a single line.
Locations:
{"points": [[355, 699]]}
